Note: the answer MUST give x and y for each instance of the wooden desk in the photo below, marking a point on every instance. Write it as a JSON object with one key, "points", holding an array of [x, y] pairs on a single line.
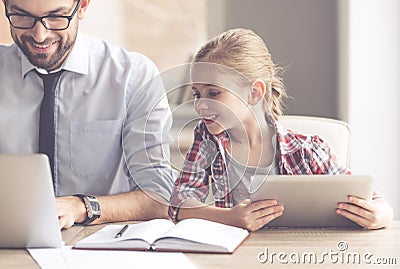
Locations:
{"points": [[294, 243]]}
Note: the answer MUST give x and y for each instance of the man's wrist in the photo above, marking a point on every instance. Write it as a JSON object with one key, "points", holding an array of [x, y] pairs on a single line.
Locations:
{"points": [[92, 208], [80, 212]]}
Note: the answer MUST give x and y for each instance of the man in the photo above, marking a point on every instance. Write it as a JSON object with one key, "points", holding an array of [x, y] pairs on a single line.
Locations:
{"points": [[109, 118]]}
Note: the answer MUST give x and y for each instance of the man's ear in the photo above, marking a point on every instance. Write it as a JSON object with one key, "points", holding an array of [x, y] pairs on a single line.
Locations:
{"points": [[82, 9], [257, 92]]}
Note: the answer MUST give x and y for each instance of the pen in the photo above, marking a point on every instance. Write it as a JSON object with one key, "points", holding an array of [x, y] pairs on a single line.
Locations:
{"points": [[119, 234]]}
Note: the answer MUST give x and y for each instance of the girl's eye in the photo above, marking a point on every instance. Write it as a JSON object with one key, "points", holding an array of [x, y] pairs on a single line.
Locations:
{"points": [[213, 94]]}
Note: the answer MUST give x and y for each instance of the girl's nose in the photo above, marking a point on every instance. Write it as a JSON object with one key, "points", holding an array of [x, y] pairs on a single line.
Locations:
{"points": [[201, 104]]}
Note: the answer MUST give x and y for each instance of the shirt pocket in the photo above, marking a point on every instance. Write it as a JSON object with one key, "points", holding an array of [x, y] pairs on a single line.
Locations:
{"points": [[96, 147]]}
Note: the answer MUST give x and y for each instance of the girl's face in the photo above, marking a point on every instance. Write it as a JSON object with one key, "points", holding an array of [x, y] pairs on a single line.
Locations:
{"points": [[220, 108]]}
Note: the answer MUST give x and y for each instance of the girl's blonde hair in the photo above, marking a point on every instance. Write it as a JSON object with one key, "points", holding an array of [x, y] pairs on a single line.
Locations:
{"points": [[244, 51]]}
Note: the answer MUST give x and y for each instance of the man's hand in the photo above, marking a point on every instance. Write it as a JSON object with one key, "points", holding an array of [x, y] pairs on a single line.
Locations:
{"points": [[70, 209], [133, 205]]}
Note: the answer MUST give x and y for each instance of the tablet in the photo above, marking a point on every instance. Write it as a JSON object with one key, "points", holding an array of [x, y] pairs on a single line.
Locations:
{"points": [[311, 200], [28, 215]]}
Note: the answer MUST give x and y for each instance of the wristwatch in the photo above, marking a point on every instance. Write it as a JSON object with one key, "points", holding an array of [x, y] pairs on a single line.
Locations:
{"points": [[92, 208]]}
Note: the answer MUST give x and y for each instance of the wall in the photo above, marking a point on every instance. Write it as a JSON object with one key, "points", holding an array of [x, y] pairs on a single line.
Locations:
{"points": [[301, 36], [374, 96], [5, 37], [95, 25], [167, 32]]}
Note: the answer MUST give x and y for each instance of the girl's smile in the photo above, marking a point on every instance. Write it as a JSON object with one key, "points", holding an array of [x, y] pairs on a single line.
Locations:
{"points": [[209, 119]]}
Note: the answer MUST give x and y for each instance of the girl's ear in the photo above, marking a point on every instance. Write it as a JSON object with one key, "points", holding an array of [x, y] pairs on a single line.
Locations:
{"points": [[257, 92]]}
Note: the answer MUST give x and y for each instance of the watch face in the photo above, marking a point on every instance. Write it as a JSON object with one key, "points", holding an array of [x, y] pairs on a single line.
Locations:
{"points": [[90, 214], [94, 207]]}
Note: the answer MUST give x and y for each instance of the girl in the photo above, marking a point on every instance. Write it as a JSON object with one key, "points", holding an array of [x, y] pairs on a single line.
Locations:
{"points": [[238, 95]]}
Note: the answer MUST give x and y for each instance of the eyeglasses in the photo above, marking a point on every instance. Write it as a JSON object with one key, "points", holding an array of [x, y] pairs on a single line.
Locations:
{"points": [[50, 22]]}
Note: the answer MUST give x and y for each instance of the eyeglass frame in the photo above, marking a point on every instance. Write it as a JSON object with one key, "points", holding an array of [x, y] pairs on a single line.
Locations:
{"points": [[41, 18]]}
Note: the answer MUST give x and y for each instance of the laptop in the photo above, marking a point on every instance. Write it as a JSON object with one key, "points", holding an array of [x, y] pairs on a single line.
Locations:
{"points": [[311, 200], [28, 217]]}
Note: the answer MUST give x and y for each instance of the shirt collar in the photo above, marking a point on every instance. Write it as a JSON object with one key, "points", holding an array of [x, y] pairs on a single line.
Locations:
{"points": [[288, 141], [26, 66], [77, 61], [285, 139]]}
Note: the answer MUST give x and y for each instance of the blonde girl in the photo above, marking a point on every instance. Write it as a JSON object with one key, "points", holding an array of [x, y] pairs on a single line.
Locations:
{"points": [[238, 95]]}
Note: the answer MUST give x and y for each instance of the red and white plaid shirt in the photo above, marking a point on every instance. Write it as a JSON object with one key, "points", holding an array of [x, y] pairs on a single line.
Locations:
{"points": [[298, 154]]}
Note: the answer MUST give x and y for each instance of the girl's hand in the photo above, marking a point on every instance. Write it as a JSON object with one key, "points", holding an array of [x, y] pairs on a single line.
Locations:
{"points": [[253, 216], [373, 214]]}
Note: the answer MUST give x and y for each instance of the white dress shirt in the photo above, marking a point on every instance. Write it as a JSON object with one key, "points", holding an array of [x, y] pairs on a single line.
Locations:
{"points": [[112, 119]]}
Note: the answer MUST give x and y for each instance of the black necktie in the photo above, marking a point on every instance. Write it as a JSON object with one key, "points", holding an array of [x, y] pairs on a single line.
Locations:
{"points": [[46, 123]]}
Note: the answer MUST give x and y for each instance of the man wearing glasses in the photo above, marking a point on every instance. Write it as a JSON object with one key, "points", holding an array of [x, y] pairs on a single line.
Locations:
{"points": [[97, 111]]}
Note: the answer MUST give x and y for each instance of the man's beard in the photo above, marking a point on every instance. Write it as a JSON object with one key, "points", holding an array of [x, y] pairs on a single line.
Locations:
{"points": [[43, 60]]}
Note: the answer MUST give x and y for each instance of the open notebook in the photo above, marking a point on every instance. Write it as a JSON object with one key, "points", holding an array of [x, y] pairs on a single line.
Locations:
{"points": [[190, 235]]}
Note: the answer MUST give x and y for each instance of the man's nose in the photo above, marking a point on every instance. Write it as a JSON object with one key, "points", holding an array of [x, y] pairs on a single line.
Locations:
{"points": [[39, 32]]}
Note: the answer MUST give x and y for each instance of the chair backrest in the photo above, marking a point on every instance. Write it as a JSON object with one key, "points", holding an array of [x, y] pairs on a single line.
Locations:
{"points": [[335, 132]]}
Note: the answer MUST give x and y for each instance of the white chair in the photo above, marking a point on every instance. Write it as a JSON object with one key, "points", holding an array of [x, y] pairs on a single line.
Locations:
{"points": [[336, 133]]}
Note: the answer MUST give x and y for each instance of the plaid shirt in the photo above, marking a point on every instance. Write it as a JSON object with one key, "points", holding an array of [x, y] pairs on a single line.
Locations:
{"points": [[298, 154]]}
